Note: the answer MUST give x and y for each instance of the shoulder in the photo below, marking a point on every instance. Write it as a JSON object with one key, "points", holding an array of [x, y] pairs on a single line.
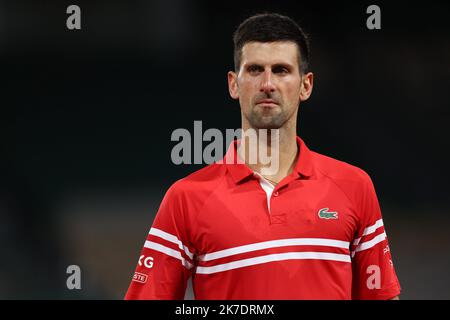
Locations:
{"points": [[338, 170], [351, 180], [198, 184]]}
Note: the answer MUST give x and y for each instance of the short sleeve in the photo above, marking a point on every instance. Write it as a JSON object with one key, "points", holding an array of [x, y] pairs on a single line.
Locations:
{"points": [[166, 260], [374, 276]]}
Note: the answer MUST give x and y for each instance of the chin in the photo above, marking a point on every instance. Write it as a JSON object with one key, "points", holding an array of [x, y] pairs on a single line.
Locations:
{"points": [[266, 126]]}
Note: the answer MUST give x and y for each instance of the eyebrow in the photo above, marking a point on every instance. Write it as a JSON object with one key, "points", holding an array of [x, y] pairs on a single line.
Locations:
{"points": [[275, 65], [283, 65]]}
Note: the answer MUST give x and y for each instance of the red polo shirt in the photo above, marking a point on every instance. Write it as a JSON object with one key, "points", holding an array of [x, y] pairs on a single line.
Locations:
{"points": [[322, 238]]}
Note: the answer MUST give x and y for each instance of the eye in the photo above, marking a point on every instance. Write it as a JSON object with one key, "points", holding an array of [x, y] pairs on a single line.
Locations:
{"points": [[254, 68], [280, 69]]}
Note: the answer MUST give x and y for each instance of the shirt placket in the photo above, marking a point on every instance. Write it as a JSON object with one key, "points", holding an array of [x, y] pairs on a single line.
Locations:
{"points": [[272, 196]]}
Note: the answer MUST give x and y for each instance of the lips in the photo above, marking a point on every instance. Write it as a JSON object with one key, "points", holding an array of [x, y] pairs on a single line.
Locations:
{"points": [[267, 102]]}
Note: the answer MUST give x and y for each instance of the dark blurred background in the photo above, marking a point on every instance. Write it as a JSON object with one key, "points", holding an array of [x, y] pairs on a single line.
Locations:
{"points": [[87, 116]]}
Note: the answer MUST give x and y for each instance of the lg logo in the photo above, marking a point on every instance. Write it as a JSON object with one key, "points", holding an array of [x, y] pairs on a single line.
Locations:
{"points": [[147, 261]]}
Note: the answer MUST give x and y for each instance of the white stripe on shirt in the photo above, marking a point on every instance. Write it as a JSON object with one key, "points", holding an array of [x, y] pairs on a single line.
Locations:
{"points": [[272, 258]]}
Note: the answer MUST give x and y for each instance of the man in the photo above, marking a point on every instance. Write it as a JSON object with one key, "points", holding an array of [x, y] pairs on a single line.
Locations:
{"points": [[310, 230]]}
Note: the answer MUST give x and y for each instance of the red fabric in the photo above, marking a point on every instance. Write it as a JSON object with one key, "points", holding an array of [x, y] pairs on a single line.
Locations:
{"points": [[291, 252]]}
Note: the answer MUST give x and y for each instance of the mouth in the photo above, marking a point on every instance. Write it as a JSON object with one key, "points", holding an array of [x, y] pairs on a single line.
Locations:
{"points": [[267, 103]]}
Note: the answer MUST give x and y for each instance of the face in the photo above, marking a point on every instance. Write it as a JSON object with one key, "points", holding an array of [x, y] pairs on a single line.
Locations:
{"points": [[269, 85]]}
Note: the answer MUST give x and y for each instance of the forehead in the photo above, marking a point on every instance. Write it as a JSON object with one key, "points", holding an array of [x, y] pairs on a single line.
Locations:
{"points": [[270, 53]]}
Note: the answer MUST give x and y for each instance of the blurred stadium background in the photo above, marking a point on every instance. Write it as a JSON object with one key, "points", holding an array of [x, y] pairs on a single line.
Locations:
{"points": [[87, 117]]}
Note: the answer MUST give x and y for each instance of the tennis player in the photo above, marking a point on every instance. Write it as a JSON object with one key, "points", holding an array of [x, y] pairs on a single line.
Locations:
{"points": [[312, 229]]}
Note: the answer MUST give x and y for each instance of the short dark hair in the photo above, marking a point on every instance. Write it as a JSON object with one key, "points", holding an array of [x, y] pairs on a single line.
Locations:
{"points": [[269, 27]]}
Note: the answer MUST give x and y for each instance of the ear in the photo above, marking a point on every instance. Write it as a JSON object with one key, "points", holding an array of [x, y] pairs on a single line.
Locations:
{"points": [[232, 85], [307, 86]]}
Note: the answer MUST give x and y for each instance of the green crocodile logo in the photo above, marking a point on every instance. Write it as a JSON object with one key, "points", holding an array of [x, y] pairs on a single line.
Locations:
{"points": [[325, 214]]}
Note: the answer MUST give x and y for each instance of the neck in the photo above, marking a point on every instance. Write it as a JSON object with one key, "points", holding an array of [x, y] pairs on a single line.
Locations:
{"points": [[279, 145]]}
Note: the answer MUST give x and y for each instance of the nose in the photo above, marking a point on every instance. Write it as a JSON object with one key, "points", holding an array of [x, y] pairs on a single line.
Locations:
{"points": [[267, 85]]}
